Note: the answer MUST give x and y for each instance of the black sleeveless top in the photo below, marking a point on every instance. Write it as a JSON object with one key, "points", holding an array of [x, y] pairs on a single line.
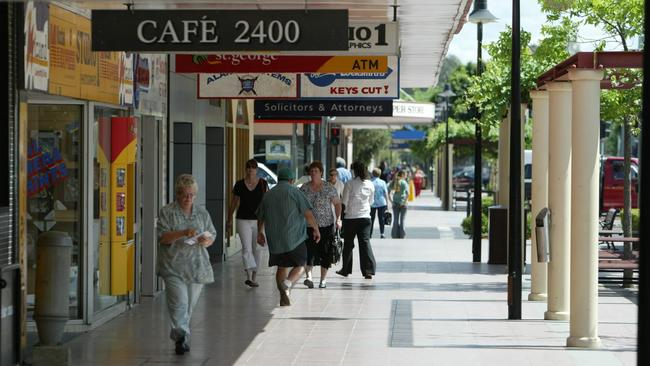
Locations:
{"points": [[249, 200]]}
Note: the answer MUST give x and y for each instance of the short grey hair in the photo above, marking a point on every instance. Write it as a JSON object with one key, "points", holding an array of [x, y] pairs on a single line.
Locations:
{"points": [[186, 180]]}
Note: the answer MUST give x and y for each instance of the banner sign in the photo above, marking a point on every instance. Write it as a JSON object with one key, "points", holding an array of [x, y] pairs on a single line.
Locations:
{"points": [[219, 30], [262, 63], [244, 86], [270, 109], [351, 85]]}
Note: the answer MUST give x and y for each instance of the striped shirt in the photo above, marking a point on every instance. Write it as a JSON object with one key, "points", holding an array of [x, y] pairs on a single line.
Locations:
{"points": [[283, 212]]}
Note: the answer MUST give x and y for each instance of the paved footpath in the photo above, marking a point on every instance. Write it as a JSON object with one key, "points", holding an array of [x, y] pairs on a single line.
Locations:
{"points": [[427, 305]]}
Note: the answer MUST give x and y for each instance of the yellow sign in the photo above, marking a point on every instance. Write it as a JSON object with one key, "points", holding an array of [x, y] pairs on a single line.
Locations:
{"points": [[76, 71], [355, 64]]}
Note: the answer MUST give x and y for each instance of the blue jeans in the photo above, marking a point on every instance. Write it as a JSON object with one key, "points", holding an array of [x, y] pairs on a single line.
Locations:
{"points": [[399, 213], [181, 299], [373, 211]]}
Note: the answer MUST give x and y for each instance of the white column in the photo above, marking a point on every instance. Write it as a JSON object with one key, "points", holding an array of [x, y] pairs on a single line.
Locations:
{"points": [[539, 189], [559, 199], [585, 174]]}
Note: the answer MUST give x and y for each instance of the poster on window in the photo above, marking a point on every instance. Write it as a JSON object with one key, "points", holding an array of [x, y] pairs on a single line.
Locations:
{"points": [[37, 52], [246, 86], [278, 150]]}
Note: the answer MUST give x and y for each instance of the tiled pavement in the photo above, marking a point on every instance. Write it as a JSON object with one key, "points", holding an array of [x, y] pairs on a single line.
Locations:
{"points": [[427, 305]]}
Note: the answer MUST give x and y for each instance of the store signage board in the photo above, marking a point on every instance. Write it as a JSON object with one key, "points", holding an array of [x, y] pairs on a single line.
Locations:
{"points": [[246, 86], [379, 85], [287, 109], [219, 30], [263, 63], [413, 110]]}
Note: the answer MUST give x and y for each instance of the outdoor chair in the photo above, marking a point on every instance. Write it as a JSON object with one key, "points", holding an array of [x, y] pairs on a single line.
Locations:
{"points": [[607, 223]]}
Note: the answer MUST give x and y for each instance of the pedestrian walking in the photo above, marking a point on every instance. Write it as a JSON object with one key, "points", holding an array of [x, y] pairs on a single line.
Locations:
{"points": [[333, 180], [322, 196], [184, 233], [400, 189], [247, 195], [344, 174], [358, 195], [282, 219], [380, 203]]}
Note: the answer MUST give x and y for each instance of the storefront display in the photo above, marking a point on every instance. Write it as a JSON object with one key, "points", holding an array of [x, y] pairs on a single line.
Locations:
{"points": [[54, 197]]}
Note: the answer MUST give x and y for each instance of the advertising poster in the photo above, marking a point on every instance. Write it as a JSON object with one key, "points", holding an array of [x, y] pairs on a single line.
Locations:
{"points": [[352, 85], [278, 150], [271, 85], [126, 78], [150, 84], [64, 73], [37, 52]]}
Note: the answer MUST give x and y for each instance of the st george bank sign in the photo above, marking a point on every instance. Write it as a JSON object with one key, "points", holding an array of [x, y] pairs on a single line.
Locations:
{"points": [[219, 30]]}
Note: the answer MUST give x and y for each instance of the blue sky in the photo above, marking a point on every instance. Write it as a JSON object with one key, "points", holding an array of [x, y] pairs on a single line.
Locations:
{"points": [[463, 45]]}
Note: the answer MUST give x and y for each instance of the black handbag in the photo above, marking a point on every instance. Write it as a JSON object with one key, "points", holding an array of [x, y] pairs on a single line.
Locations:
{"points": [[388, 218], [337, 247]]}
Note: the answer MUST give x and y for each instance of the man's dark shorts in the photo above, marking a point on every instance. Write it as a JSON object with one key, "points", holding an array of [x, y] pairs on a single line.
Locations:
{"points": [[294, 258]]}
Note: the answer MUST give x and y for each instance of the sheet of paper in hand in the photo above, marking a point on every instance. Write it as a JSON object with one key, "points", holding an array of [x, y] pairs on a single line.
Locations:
{"points": [[195, 239]]}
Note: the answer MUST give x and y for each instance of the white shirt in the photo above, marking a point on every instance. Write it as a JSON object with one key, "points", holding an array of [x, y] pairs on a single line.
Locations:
{"points": [[339, 187], [358, 195]]}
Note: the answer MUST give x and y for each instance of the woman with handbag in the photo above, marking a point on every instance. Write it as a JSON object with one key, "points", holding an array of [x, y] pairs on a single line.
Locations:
{"points": [[322, 196]]}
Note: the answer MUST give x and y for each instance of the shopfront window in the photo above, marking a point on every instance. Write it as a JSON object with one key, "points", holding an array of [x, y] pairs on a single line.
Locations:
{"points": [[102, 218], [54, 191]]}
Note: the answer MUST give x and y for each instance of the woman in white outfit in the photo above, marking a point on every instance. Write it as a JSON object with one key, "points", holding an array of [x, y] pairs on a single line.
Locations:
{"points": [[247, 195]]}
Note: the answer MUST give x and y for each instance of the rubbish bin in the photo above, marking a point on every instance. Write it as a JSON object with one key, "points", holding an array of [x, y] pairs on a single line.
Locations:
{"points": [[498, 235], [542, 237]]}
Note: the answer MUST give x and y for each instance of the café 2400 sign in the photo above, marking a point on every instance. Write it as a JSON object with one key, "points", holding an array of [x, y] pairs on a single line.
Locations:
{"points": [[224, 30]]}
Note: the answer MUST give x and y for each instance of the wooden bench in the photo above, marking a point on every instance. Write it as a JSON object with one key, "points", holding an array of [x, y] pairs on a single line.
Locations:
{"points": [[615, 261]]}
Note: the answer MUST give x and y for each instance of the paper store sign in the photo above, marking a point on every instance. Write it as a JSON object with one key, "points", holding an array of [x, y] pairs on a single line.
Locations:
{"points": [[351, 85], [271, 85]]}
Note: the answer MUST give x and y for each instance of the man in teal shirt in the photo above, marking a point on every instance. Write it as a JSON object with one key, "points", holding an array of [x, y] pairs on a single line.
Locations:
{"points": [[285, 213]]}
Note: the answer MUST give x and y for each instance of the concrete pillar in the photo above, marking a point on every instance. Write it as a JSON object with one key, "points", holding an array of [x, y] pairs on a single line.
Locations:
{"points": [[585, 174], [503, 163], [559, 199], [539, 189]]}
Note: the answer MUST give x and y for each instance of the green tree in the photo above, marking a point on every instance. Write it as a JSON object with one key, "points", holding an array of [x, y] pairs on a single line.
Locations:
{"points": [[621, 20], [369, 144]]}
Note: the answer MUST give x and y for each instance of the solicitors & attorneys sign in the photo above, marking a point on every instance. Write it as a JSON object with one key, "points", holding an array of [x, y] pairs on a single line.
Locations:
{"points": [[270, 109], [219, 30]]}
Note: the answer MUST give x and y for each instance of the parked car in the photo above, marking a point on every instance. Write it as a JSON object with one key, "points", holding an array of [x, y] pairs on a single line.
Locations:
{"points": [[264, 172], [463, 178], [611, 185]]}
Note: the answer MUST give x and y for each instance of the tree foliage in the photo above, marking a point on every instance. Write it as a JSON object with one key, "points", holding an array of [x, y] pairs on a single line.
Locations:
{"points": [[369, 143]]}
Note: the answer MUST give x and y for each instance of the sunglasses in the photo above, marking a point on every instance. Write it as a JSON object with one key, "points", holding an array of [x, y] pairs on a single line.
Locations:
{"points": [[333, 174], [251, 166]]}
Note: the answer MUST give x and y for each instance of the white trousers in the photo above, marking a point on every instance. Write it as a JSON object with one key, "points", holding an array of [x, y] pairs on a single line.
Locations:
{"points": [[181, 299], [250, 251]]}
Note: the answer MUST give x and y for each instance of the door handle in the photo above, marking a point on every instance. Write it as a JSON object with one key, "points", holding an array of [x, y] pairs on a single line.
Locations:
{"points": [[3, 283]]}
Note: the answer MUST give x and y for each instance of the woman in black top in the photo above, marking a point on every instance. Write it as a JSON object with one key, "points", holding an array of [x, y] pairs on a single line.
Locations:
{"points": [[247, 195]]}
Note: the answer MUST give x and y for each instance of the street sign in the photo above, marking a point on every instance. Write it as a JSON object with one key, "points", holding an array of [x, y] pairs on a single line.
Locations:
{"points": [[378, 85], [245, 86], [270, 109], [414, 110], [219, 30], [260, 63]]}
